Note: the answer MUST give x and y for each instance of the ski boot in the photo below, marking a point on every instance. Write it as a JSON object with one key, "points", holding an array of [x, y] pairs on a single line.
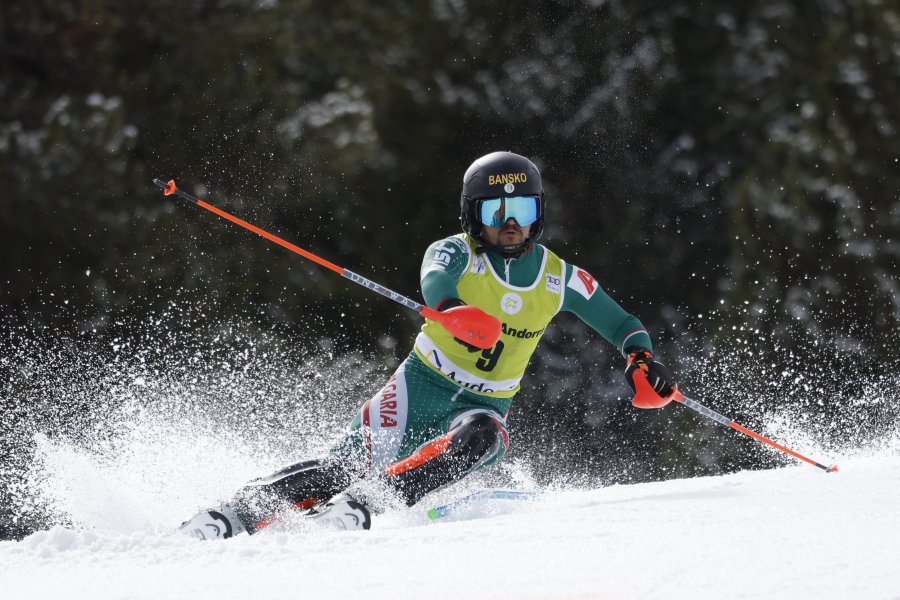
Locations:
{"points": [[342, 512], [218, 524]]}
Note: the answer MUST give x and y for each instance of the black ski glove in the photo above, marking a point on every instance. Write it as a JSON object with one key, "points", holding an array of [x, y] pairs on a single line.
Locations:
{"points": [[659, 377], [448, 303]]}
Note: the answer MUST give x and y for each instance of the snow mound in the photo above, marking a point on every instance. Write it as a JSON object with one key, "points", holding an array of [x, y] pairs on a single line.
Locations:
{"points": [[787, 533]]}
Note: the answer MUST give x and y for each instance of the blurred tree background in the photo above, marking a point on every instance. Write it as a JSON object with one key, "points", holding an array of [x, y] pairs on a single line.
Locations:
{"points": [[727, 170]]}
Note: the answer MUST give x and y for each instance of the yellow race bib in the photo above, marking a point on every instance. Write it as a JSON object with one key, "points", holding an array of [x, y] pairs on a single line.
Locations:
{"points": [[524, 311]]}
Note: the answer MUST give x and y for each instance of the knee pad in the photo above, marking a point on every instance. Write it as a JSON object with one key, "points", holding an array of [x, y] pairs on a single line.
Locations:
{"points": [[473, 441], [477, 437]]}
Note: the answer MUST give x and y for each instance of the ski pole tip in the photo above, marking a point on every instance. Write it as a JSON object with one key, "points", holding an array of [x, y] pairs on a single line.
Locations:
{"points": [[832, 469]]}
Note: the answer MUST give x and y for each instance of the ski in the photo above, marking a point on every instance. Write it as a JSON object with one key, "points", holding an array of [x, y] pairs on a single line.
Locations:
{"points": [[447, 510]]}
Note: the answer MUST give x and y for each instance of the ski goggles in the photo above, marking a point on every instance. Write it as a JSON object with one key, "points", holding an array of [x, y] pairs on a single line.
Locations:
{"points": [[494, 212]]}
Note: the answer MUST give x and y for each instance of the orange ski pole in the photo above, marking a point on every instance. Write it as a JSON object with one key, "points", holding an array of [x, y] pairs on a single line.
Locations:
{"points": [[645, 397], [467, 323]]}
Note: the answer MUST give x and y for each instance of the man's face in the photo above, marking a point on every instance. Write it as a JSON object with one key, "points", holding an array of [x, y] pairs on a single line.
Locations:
{"points": [[506, 235]]}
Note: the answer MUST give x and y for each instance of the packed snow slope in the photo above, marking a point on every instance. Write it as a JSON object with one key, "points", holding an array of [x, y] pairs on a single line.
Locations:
{"points": [[794, 532]]}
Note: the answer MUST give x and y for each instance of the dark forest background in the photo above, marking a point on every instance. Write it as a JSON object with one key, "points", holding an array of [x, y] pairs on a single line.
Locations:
{"points": [[728, 170]]}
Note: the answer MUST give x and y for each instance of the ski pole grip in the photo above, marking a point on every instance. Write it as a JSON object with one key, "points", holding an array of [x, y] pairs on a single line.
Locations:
{"points": [[646, 397], [467, 323]]}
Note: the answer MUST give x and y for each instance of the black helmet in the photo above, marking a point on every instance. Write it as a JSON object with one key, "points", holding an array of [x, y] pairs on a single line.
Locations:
{"points": [[496, 175]]}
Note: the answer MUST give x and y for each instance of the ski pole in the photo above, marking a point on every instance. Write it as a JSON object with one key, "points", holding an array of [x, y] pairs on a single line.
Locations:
{"points": [[465, 322], [645, 397]]}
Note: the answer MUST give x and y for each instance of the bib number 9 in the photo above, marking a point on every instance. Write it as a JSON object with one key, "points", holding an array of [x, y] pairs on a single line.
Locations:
{"points": [[489, 357]]}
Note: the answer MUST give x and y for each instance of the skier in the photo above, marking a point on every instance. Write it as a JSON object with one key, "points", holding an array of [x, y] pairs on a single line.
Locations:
{"points": [[443, 413]]}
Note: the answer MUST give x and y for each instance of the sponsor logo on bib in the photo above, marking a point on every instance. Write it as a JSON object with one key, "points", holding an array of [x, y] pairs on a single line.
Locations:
{"points": [[521, 333], [554, 283], [478, 265], [511, 303]]}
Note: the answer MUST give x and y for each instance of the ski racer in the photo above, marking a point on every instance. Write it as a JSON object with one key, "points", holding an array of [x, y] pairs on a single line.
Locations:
{"points": [[442, 414]]}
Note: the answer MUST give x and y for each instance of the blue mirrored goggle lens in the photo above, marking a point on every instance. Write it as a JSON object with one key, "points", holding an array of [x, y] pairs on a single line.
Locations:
{"points": [[494, 212]]}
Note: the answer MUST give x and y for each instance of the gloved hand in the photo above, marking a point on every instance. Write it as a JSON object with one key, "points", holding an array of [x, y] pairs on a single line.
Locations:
{"points": [[658, 376], [447, 304]]}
